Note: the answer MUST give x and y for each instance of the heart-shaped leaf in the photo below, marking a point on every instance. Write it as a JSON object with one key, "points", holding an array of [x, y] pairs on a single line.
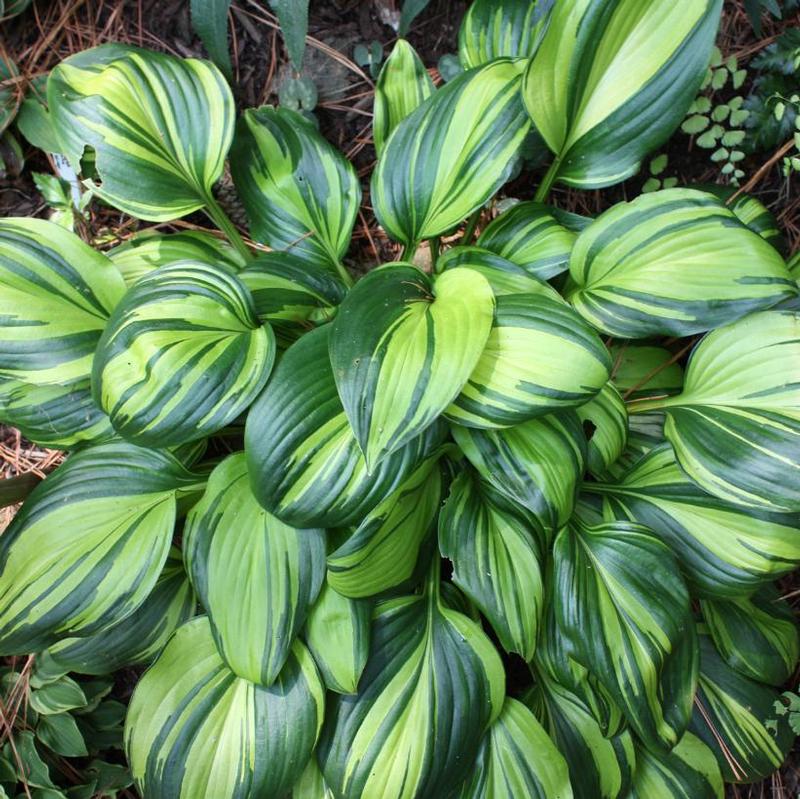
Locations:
{"points": [[182, 356], [195, 729], [402, 347], [233, 547]]}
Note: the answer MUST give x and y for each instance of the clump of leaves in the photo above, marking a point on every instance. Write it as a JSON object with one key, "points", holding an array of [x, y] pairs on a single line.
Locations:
{"points": [[719, 126], [66, 738], [657, 180], [772, 113], [426, 472]]}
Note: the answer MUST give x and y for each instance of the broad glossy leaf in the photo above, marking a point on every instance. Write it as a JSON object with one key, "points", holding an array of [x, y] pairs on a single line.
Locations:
{"points": [[402, 347], [87, 547], [529, 235], [311, 784], [291, 294], [448, 157], [751, 211], [673, 263], [432, 685], [504, 276], [182, 356], [689, 771], [622, 583], [608, 419], [403, 84], [56, 294], [383, 550], [645, 371], [337, 633], [736, 425], [138, 638], [300, 193], [293, 19], [730, 716], [612, 79], [233, 548], [496, 548], [540, 357], [600, 766], [537, 464], [160, 126], [195, 730], [501, 29], [149, 250], [210, 23], [517, 759], [725, 550], [756, 635], [58, 417], [305, 465]]}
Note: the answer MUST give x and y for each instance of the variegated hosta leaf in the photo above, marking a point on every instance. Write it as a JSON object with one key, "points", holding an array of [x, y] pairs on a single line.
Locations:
{"points": [[401, 349], [305, 465], [732, 716], [756, 635], [138, 638], [517, 759], [673, 263], [623, 584], [87, 547], [234, 548], [182, 356], [736, 425], [452, 154], [56, 294], [311, 784], [291, 294], [300, 193], [160, 126], [149, 250], [337, 633], [537, 464], [195, 730], [529, 235], [554, 661], [432, 685], [689, 771], [402, 86], [612, 79], [793, 265], [645, 432], [751, 211], [496, 549], [607, 415], [540, 357], [501, 29], [645, 371], [383, 550], [504, 276], [59, 417], [725, 550], [600, 767]]}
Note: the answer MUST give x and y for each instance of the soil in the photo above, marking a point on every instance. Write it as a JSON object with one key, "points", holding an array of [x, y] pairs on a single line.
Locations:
{"points": [[52, 30]]}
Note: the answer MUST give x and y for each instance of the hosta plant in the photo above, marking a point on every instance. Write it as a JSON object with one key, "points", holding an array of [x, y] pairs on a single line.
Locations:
{"points": [[473, 531]]}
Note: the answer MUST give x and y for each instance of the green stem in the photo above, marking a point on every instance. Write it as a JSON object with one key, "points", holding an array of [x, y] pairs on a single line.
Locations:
{"points": [[472, 223], [408, 251], [346, 277], [543, 191], [435, 244], [223, 222], [432, 581], [649, 404]]}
